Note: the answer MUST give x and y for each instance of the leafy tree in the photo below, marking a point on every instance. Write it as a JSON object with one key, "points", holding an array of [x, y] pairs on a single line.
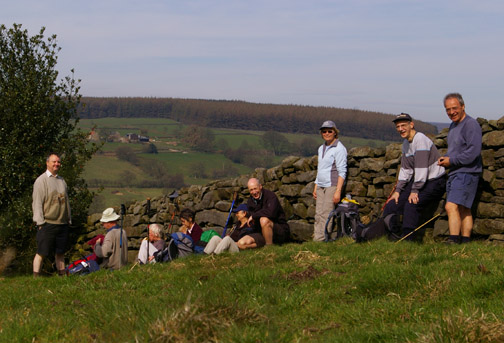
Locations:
{"points": [[199, 138], [276, 143], [150, 148], [38, 115], [308, 146], [127, 154]]}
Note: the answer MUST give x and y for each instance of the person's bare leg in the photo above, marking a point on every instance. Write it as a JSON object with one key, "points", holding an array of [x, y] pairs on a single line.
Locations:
{"points": [[60, 263], [267, 230], [246, 242], [37, 264], [467, 221], [454, 220]]}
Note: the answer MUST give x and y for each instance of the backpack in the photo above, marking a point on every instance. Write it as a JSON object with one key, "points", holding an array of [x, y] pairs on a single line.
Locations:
{"points": [[84, 266], [342, 221], [381, 227], [179, 245], [207, 235]]}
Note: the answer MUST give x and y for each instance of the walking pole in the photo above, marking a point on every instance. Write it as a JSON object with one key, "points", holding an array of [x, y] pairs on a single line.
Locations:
{"points": [[229, 215], [173, 196], [421, 226], [123, 212], [148, 227]]}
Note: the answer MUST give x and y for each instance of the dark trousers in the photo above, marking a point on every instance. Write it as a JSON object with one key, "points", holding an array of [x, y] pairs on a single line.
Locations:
{"points": [[432, 191]]}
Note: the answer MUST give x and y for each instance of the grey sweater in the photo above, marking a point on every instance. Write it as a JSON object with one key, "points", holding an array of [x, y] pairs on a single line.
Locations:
{"points": [[50, 200], [114, 256]]}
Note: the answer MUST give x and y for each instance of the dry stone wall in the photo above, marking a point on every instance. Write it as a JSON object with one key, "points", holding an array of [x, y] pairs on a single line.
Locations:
{"points": [[371, 177]]}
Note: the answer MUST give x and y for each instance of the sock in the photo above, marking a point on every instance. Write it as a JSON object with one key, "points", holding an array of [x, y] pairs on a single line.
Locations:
{"points": [[464, 239]]}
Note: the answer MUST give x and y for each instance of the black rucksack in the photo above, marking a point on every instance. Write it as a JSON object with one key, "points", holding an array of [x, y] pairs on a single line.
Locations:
{"points": [[383, 226], [344, 220], [179, 245]]}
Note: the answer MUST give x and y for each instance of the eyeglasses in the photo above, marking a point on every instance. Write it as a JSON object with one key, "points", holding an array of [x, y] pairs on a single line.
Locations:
{"points": [[327, 131]]}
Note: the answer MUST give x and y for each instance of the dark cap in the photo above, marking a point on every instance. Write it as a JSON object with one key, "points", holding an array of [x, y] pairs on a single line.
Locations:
{"points": [[241, 207], [402, 116]]}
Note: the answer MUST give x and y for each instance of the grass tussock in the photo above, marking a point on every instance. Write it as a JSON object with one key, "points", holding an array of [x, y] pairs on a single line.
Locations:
{"points": [[477, 327], [195, 323]]}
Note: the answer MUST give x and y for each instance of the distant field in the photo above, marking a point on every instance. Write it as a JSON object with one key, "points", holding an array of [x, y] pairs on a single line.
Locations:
{"points": [[177, 158]]}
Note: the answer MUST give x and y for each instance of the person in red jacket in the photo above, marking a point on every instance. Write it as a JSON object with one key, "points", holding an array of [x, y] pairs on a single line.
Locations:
{"points": [[189, 227]]}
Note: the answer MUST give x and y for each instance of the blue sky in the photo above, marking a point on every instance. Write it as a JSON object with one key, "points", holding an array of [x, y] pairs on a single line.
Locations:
{"points": [[390, 56]]}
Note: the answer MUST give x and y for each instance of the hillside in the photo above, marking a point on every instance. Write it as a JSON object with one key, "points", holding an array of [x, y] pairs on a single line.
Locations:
{"points": [[248, 116], [311, 292]]}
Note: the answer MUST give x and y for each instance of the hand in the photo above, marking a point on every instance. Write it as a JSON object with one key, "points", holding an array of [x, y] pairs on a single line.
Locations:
{"points": [[315, 194], [395, 197], [249, 221], [413, 198], [336, 197], [444, 161], [151, 258], [98, 241]]}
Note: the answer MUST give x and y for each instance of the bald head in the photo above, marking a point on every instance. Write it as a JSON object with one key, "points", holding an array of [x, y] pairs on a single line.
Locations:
{"points": [[255, 188]]}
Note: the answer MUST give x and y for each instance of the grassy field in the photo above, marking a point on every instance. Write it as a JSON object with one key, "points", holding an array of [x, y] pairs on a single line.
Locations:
{"points": [[314, 292]]}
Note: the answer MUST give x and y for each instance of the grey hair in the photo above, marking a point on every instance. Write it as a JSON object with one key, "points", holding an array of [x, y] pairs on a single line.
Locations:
{"points": [[51, 154], [454, 96], [157, 230]]}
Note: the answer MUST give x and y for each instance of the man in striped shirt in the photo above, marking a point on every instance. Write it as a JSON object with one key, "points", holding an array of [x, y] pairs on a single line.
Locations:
{"points": [[420, 180]]}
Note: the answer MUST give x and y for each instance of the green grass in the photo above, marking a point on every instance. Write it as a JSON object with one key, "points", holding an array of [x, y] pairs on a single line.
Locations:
{"points": [[314, 292]]}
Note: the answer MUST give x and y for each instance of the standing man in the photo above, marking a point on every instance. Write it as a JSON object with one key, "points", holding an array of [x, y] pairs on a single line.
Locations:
{"points": [[51, 213], [331, 173], [114, 248], [464, 161], [267, 214], [420, 180]]}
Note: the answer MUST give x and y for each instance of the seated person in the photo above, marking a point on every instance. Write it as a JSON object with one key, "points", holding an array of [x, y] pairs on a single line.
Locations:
{"points": [[189, 227], [266, 214], [114, 248], [155, 242], [218, 245]]}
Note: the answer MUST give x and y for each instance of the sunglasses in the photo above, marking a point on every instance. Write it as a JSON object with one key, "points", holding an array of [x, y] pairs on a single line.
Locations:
{"points": [[327, 131]]}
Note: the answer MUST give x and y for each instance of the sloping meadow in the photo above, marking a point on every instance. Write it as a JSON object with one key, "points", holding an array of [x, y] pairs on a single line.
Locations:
{"points": [[311, 292]]}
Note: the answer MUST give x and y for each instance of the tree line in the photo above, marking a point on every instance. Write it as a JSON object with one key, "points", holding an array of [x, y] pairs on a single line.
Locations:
{"points": [[248, 116]]}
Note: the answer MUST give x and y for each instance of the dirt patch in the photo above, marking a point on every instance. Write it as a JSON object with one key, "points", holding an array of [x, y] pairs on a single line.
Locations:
{"points": [[309, 273]]}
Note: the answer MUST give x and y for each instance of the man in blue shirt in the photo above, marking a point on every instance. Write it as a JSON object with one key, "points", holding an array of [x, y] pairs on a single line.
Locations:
{"points": [[464, 162]]}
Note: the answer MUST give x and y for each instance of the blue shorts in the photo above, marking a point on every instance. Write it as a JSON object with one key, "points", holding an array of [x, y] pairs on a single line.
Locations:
{"points": [[461, 188]]}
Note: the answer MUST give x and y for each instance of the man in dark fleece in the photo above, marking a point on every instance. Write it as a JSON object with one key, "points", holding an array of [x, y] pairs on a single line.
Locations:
{"points": [[463, 160], [267, 214]]}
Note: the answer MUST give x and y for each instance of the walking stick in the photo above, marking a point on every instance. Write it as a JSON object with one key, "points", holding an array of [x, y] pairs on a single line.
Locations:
{"points": [[229, 215], [421, 226], [173, 196], [442, 203], [123, 212], [148, 227]]}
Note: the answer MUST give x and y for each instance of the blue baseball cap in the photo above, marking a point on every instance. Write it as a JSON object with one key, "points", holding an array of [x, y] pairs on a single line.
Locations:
{"points": [[241, 207]]}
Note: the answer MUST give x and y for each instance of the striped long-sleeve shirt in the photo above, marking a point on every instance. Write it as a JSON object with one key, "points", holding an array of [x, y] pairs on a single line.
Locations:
{"points": [[419, 160]]}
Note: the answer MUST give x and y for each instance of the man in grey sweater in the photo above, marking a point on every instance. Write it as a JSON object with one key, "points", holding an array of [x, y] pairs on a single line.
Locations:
{"points": [[114, 248], [51, 213]]}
